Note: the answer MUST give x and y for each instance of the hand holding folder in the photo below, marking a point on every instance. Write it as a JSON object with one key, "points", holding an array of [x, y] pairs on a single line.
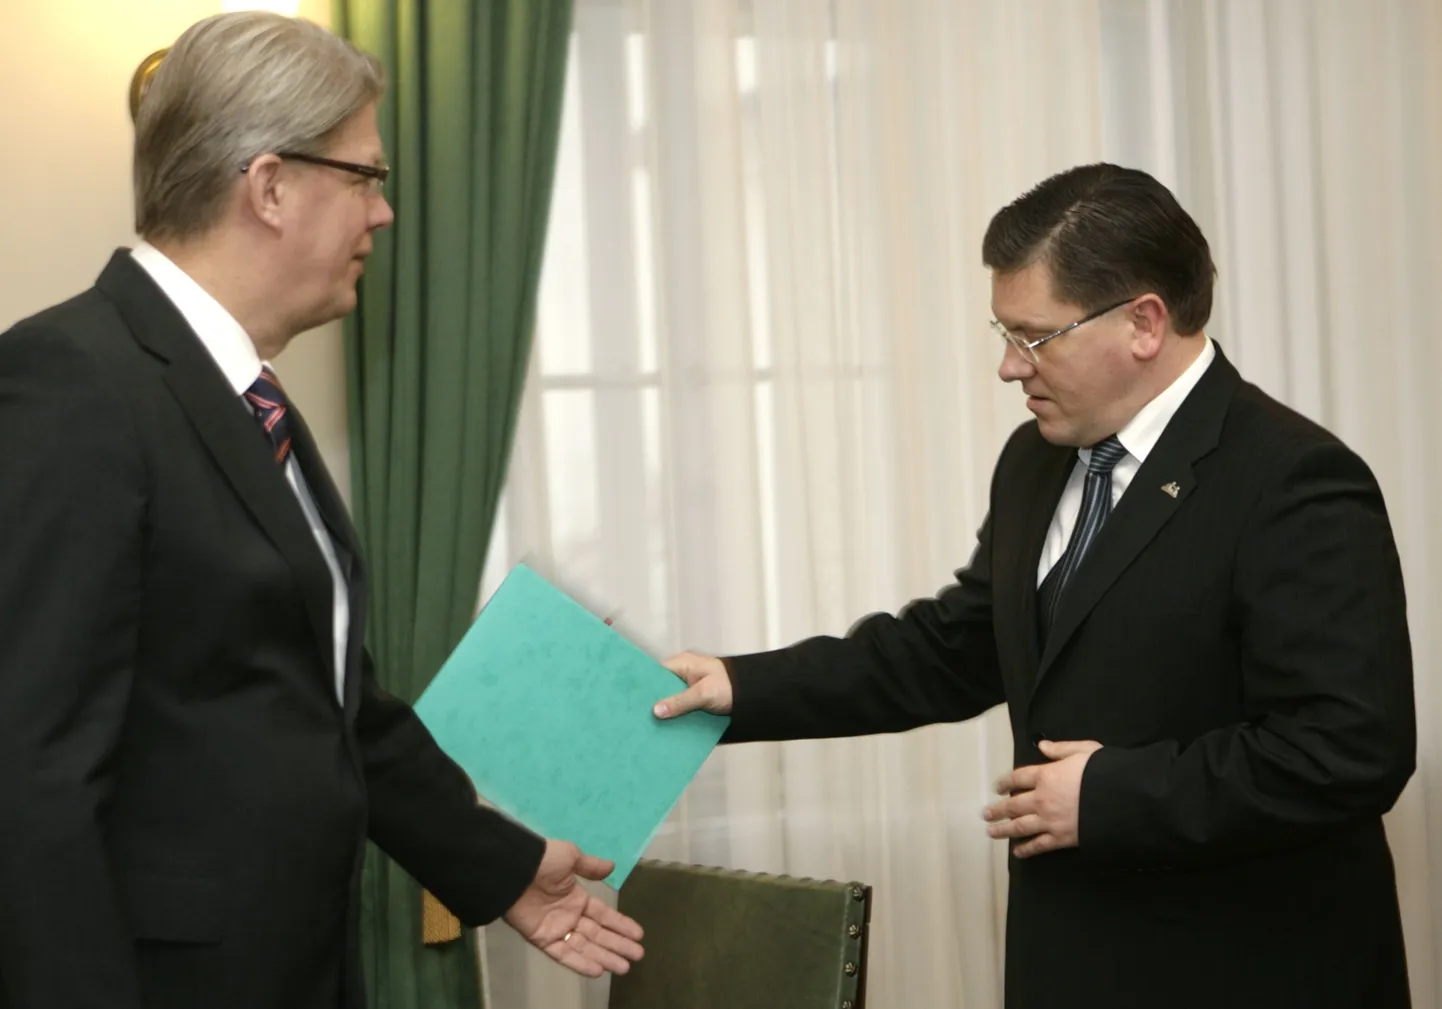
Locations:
{"points": [[708, 686], [549, 711]]}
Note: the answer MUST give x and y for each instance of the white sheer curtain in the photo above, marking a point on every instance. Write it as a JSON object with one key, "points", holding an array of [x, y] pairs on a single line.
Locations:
{"points": [[764, 399]]}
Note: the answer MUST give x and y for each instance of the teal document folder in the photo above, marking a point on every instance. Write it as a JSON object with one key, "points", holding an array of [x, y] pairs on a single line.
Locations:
{"points": [[548, 709]]}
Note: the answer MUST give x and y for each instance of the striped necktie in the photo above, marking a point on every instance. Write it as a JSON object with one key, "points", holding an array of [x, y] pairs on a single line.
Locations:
{"points": [[267, 399], [1095, 507]]}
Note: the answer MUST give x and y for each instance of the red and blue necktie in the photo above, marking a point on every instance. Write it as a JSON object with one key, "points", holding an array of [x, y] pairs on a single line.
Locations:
{"points": [[267, 400]]}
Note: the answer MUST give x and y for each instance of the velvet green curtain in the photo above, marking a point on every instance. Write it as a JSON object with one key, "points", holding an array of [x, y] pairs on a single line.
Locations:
{"points": [[436, 358]]}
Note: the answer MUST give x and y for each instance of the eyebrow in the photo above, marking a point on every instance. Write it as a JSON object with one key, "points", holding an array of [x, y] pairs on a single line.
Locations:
{"points": [[1031, 324]]}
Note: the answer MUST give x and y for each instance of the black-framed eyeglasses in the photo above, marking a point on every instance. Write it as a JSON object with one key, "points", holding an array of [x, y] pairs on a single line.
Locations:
{"points": [[1027, 348], [377, 174]]}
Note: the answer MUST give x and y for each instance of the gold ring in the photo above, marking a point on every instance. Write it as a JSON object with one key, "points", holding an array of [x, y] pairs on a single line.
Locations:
{"points": [[567, 937]]}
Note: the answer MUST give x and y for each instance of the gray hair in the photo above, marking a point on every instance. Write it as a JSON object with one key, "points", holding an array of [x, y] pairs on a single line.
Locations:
{"points": [[233, 87]]}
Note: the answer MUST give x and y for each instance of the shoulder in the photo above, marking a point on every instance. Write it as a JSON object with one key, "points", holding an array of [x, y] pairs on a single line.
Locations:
{"points": [[63, 374], [1256, 415], [1288, 468], [84, 340], [1267, 436], [89, 323]]}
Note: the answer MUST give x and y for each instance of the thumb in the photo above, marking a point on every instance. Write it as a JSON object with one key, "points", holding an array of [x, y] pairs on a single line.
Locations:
{"points": [[591, 867], [689, 699], [1058, 751]]}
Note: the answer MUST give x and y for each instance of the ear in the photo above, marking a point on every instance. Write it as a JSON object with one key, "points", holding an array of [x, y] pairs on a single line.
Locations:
{"points": [[265, 190], [1150, 324]]}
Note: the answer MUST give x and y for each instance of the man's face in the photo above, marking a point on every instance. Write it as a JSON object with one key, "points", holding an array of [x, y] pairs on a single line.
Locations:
{"points": [[1078, 384], [330, 230]]}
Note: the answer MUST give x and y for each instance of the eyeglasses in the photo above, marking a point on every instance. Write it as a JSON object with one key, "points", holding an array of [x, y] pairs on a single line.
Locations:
{"points": [[1027, 348], [377, 174]]}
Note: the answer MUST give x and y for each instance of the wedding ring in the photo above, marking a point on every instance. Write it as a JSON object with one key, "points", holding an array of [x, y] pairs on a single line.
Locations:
{"points": [[567, 937]]}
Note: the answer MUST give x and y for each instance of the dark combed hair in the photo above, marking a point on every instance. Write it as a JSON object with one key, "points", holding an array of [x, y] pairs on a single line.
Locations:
{"points": [[1107, 233]]}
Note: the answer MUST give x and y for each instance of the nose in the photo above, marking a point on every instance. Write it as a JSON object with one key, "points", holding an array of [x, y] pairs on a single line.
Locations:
{"points": [[383, 216], [1015, 365]]}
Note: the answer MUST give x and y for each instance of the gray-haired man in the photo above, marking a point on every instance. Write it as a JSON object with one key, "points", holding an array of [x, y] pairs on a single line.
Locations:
{"points": [[195, 745]]}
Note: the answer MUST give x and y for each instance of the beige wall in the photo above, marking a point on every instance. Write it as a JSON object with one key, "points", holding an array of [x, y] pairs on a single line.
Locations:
{"points": [[65, 68]]}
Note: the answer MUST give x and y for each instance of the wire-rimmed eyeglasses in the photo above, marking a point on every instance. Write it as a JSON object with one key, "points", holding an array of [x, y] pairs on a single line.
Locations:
{"points": [[1027, 348]]}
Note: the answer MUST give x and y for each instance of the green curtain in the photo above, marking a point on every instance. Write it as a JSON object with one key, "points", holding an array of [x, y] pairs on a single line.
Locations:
{"points": [[436, 358]]}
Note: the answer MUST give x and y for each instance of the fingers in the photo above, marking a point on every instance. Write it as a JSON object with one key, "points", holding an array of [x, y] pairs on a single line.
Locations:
{"points": [[1038, 845], [1058, 751], [624, 948], [578, 954], [584, 943], [611, 920], [1010, 809], [1030, 825], [591, 948], [1019, 780]]}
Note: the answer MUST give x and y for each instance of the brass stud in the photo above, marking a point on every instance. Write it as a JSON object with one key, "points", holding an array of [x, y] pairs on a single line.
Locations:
{"points": [[849, 969], [857, 893], [853, 930], [847, 1004]]}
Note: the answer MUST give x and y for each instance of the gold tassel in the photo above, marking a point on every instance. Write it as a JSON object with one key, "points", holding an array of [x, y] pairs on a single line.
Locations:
{"points": [[438, 925]]}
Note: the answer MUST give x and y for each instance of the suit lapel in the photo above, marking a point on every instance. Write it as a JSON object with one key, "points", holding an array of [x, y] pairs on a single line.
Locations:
{"points": [[1160, 487], [227, 430]]}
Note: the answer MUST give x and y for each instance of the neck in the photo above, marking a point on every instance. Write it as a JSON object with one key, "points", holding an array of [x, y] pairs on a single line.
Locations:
{"points": [[1176, 356], [229, 275]]}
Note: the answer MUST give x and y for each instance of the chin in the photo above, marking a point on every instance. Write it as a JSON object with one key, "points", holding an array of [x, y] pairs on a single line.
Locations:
{"points": [[1058, 435], [338, 309], [343, 305]]}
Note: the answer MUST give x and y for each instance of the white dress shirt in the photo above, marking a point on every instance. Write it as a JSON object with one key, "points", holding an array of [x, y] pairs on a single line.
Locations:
{"points": [[1139, 437], [235, 354]]}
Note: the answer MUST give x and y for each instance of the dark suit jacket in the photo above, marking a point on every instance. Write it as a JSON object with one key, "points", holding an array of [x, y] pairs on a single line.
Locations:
{"points": [[184, 801], [1241, 651]]}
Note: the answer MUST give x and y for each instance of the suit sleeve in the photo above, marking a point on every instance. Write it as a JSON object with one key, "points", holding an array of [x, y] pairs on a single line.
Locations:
{"points": [[424, 814], [1326, 671], [935, 661], [72, 502]]}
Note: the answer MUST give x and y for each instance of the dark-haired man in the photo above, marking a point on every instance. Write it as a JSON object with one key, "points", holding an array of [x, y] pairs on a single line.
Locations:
{"points": [[1190, 600]]}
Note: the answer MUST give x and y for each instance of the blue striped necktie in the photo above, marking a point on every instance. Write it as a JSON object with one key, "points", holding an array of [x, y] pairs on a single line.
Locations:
{"points": [[1095, 507], [266, 399]]}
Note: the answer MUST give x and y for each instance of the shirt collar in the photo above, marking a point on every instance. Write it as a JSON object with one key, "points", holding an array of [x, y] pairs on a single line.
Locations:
{"points": [[1142, 432], [219, 332]]}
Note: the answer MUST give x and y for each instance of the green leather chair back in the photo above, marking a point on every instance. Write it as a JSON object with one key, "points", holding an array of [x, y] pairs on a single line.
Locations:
{"points": [[726, 939]]}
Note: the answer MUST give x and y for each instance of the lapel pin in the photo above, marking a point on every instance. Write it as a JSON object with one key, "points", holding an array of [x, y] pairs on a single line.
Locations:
{"points": [[1171, 489]]}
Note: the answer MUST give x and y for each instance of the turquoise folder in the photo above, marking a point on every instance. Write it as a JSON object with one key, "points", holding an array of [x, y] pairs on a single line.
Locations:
{"points": [[548, 709]]}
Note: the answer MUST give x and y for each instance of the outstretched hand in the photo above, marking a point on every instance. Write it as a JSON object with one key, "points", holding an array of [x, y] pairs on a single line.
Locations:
{"points": [[577, 930]]}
